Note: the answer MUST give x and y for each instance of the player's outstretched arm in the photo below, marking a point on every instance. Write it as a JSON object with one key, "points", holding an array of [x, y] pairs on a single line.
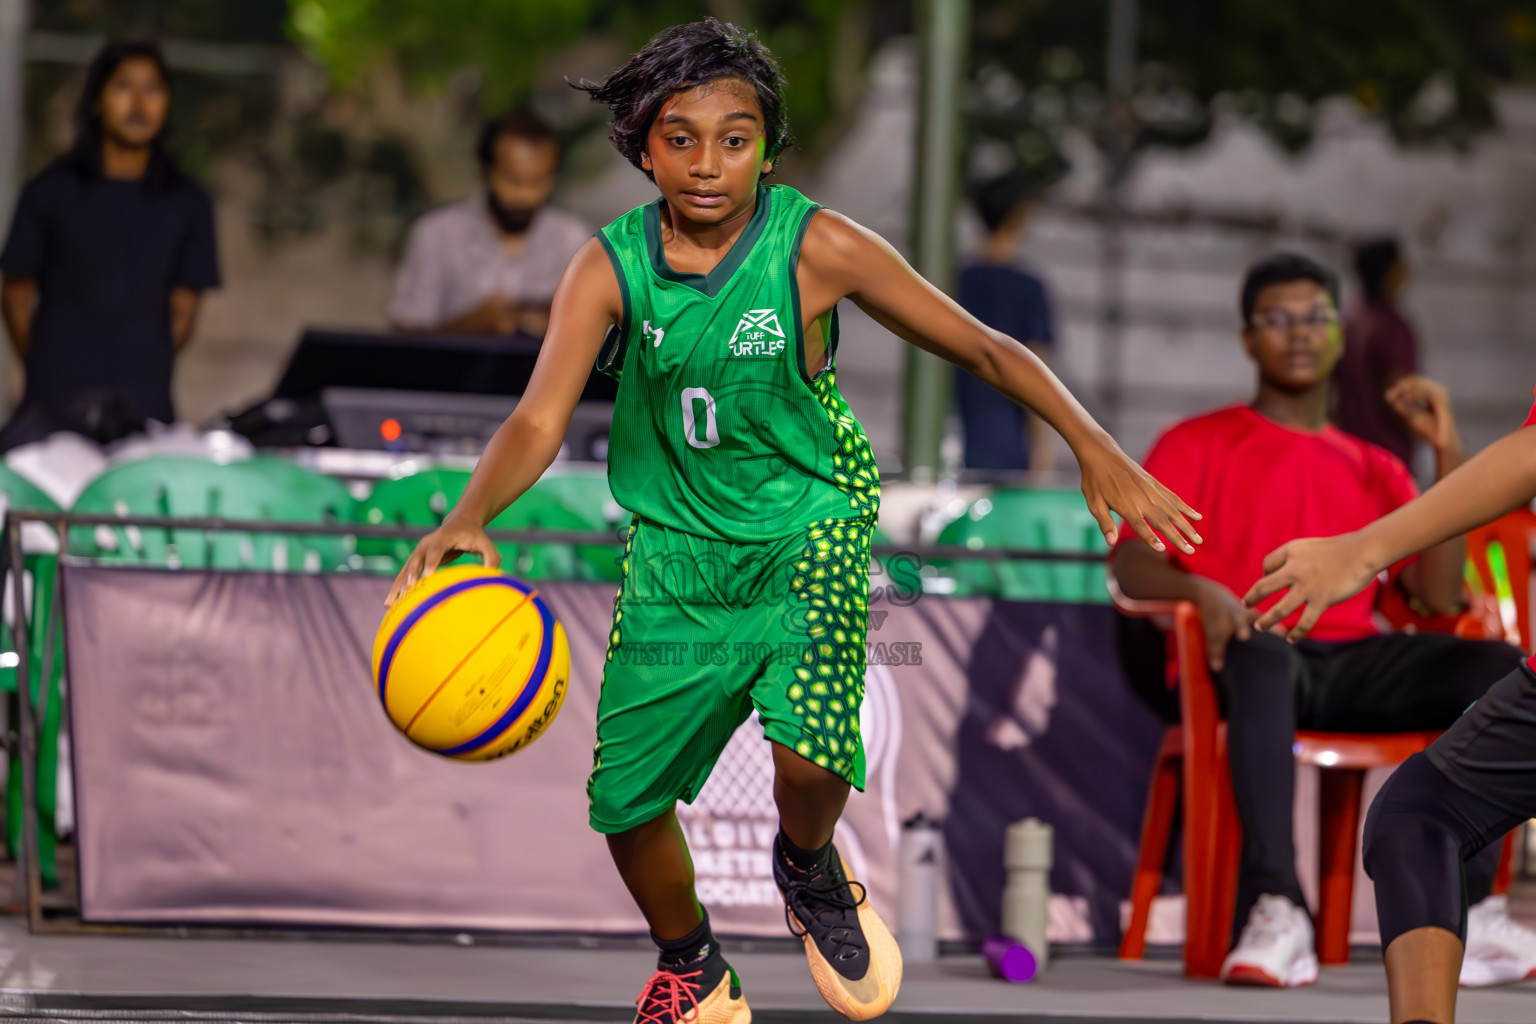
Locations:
{"points": [[1319, 573], [587, 302], [844, 259]]}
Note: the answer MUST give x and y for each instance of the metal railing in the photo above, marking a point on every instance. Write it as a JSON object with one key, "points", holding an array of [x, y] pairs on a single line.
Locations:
{"points": [[28, 899]]}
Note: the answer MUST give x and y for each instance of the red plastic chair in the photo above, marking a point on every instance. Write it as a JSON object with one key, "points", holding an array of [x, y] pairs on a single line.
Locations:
{"points": [[1196, 749], [1515, 533]]}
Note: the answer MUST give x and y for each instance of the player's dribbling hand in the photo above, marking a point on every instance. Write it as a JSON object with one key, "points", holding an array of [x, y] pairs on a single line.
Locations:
{"points": [[454, 538], [1114, 483], [1316, 574]]}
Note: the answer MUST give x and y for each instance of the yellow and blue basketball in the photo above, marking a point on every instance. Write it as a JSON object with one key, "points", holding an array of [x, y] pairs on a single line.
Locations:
{"points": [[471, 663]]}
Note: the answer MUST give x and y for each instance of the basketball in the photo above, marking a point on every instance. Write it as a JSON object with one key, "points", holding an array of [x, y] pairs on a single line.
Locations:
{"points": [[471, 663]]}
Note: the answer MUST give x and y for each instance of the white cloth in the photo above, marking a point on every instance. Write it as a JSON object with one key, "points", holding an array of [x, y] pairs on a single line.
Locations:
{"points": [[181, 439], [60, 465]]}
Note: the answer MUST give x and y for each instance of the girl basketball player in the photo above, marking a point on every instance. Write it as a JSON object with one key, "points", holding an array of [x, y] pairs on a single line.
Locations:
{"points": [[1478, 780], [754, 495]]}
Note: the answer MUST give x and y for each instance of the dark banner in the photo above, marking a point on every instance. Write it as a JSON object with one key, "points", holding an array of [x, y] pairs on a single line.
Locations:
{"points": [[232, 764]]}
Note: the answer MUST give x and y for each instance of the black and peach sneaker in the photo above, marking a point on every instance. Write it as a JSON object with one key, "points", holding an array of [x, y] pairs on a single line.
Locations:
{"points": [[701, 990], [854, 961]]}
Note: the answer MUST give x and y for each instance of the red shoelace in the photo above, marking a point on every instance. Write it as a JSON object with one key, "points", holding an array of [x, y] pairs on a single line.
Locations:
{"points": [[661, 1000]]}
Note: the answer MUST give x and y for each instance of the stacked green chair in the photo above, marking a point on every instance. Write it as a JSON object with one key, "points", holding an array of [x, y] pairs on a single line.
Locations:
{"points": [[424, 499], [585, 492], [156, 486], [287, 492], [42, 567], [194, 488], [898, 576], [1045, 519]]}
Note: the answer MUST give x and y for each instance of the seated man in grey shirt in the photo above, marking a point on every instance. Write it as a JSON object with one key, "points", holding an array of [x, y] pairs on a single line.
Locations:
{"points": [[489, 264]]}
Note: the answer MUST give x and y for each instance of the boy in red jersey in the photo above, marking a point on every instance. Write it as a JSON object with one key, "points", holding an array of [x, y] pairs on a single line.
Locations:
{"points": [[1478, 780], [1266, 473]]}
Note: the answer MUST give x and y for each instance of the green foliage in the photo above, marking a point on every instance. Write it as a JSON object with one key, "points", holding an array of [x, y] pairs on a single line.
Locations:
{"points": [[1427, 68], [234, 21], [435, 39], [512, 44]]}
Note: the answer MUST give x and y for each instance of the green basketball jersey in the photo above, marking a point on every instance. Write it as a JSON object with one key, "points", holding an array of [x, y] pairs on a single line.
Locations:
{"points": [[718, 430]]}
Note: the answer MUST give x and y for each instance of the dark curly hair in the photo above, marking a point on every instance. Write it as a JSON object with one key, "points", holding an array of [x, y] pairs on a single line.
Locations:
{"points": [[682, 57], [1284, 268]]}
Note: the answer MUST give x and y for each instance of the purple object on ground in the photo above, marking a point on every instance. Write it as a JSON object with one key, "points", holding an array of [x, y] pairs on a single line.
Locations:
{"points": [[1008, 959]]}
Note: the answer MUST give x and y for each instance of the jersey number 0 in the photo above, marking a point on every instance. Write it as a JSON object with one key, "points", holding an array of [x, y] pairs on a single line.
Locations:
{"points": [[691, 396]]}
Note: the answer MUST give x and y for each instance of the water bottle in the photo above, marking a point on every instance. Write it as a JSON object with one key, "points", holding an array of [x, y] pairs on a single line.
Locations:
{"points": [[1027, 894], [917, 889]]}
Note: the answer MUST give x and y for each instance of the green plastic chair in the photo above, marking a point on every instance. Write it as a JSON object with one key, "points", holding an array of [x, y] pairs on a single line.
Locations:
{"points": [[424, 499], [586, 493], [1051, 520], [898, 577], [21, 493], [299, 493], [189, 487], [291, 493]]}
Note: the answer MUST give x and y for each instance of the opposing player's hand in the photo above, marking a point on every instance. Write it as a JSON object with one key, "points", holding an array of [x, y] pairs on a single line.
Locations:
{"points": [[1113, 482], [454, 538], [1223, 619], [1315, 574]]}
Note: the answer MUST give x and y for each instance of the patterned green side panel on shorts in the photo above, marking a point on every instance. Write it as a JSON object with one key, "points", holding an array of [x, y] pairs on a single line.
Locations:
{"points": [[613, 629], [832, 581], [853, 466]]}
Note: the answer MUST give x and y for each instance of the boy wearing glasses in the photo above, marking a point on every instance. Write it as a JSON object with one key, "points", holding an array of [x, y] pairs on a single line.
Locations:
{"points": [[1269, 472]]}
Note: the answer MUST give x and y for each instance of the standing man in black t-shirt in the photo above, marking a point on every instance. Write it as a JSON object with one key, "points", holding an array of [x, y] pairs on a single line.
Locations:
{"points": [[109, 252]]}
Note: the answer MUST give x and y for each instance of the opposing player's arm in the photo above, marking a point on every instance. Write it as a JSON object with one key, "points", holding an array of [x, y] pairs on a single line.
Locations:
{"points": [[1319, 573], [587, 302], [844, 259]]}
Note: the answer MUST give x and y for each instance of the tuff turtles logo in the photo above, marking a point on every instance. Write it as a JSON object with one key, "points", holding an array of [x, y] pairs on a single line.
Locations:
{"points": [[757, 333]]}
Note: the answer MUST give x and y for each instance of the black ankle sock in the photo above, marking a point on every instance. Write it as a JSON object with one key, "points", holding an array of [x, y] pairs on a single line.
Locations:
{"points": [[801, 859], [698, 944]]}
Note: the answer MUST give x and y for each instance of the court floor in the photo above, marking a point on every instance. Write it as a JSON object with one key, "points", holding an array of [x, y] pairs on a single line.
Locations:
{"points": [[105, 978]]}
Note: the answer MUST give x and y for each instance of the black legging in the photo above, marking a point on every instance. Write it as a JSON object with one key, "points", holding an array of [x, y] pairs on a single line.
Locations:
{"points": [[1391, 683], [1420, 832], [1441, 807]]}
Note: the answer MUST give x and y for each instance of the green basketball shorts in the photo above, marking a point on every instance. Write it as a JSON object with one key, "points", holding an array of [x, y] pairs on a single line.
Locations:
{"points": [[704, 631]]}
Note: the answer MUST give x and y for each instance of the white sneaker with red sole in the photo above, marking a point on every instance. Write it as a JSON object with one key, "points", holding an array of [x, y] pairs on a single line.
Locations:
{"points": [[1500, 950], [1276, 948]]}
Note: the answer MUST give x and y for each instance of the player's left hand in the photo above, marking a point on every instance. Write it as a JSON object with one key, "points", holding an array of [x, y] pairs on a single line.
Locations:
{"points": [[1114, 483], [1425, 406], [1316, 575]]}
